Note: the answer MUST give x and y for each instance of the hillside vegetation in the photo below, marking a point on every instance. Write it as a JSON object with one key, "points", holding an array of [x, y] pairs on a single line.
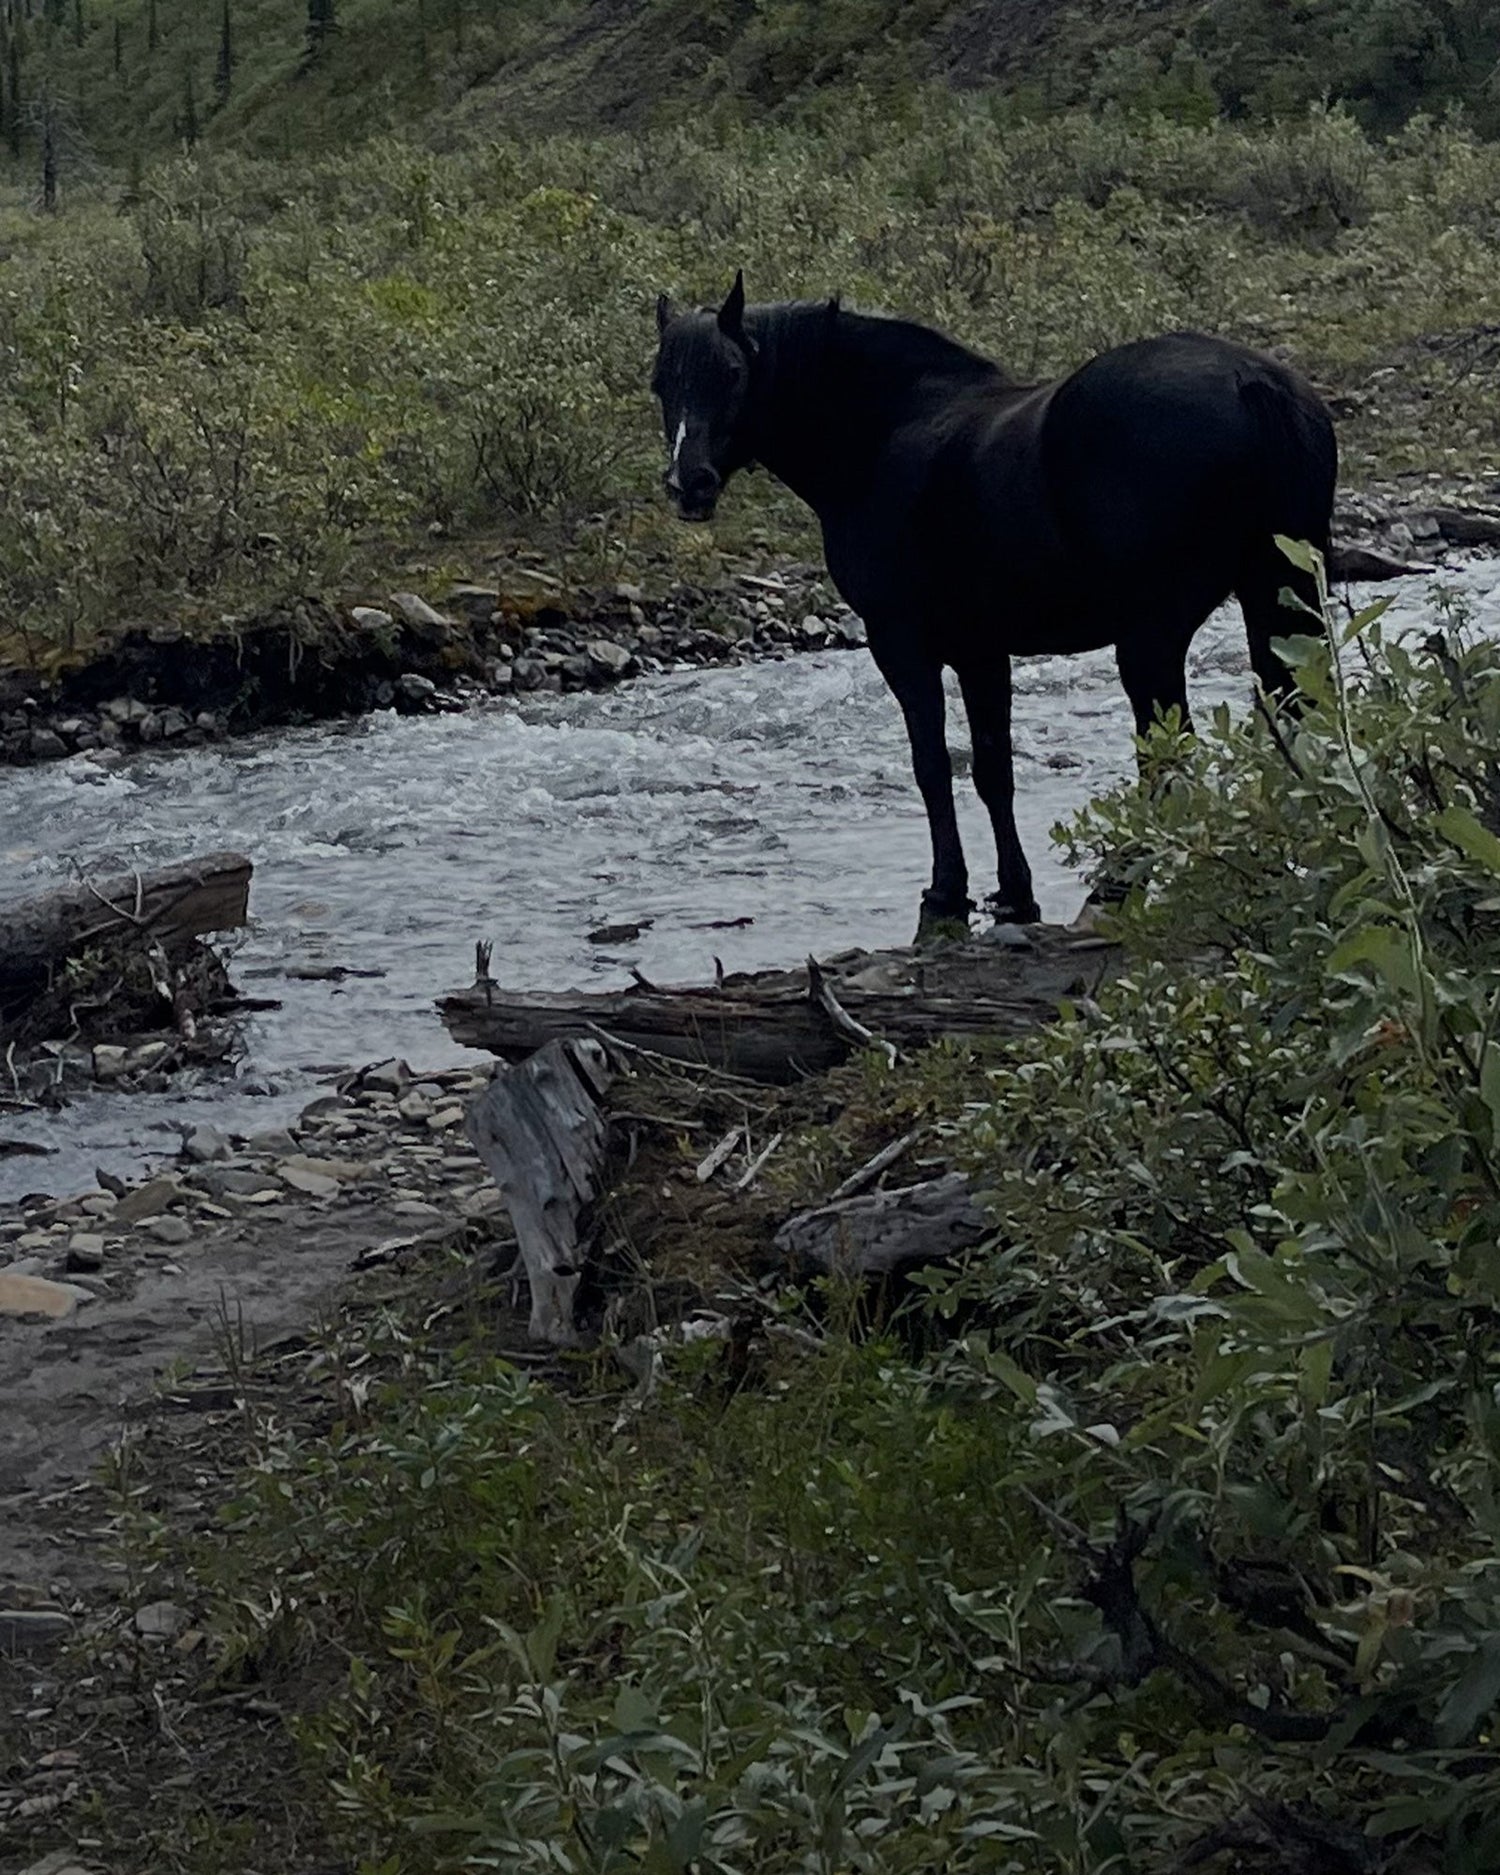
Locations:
{"points": [[251, 379], [291, 77]]}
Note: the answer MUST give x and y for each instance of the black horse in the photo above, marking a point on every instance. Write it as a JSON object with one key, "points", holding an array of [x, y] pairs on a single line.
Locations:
{"points": [[969, 519]]}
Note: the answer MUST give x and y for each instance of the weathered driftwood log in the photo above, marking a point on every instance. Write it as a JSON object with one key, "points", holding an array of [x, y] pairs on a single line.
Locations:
{"points": [[776, 1025], [540, 1131], [198, 896], [1354, 560], [885, 1231]]}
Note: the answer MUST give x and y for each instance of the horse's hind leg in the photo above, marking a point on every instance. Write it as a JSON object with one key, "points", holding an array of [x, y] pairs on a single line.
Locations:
{"points": [[1265, 576], [987, 702], [1153, 668], [918, 688]]}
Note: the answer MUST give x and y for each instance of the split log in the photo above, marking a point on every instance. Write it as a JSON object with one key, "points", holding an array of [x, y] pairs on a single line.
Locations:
{"points": [[187, 900], [540, 1131], [886, 1231], [774, 1026]]}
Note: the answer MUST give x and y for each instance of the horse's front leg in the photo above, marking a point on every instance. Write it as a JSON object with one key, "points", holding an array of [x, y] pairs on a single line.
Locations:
{"points": [[987, 703], [918, 688]]}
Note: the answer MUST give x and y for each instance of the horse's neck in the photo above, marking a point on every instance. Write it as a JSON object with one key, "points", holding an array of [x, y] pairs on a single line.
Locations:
{"points": [[830, 397]]}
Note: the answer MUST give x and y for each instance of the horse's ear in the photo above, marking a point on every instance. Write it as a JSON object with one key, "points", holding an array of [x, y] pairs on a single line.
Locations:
{"points": [[664, 310], [732, 312], [833, 309]]}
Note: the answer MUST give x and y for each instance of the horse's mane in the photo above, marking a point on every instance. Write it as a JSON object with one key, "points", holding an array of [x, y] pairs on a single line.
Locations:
{"points": [[876, 339]]}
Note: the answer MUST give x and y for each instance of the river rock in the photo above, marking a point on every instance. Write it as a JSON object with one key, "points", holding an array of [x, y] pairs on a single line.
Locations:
{"points": [[529, 673], [169, 1230], [416, 611], [608, 658], [126, 711], [36, 1295], [85, 1251], [370, 618], [384, 1077], [161, 1621], [414, 690], [47, 745], [147, 1200], [109, 1061], [310, 1184], [204, 1144]]}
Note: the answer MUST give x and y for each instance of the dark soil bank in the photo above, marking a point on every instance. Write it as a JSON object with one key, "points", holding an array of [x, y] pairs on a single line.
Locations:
{"points": [[311, 660]]}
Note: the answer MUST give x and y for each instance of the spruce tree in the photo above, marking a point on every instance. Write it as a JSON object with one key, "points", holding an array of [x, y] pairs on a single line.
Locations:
{"points": [[187, 124], [322, 23], [224, 70]]}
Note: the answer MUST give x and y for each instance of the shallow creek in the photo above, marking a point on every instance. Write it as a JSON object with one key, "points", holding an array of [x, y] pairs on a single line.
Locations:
{"points": [[777, 793]]}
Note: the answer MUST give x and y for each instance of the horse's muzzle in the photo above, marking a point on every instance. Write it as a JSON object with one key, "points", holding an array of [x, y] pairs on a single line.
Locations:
{"points": [[696, 495]]}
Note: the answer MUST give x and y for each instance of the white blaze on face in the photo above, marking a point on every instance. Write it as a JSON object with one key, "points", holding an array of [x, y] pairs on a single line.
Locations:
{"points": [[678, 440]]}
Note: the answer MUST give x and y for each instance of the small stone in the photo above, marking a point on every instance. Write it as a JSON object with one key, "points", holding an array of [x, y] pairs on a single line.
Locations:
{"points": [[85, 1251], [528, 673], [385, 1077], [204, 1144], [148, 1056], [173, 724], [630, 593], [608, 658], [416, 611], [147, 1200], [109, 1061], [98, 1204], [414, 1106], [336, 1169], [371, 618], [483, 1203], [169, 1230], [500, 677], [444, 1119], [207, 722], [414, 690], [46, 745], [311, 1184], [125, 710], [277, 1141], [416, 1208], [151, 728], [161, 1621]]}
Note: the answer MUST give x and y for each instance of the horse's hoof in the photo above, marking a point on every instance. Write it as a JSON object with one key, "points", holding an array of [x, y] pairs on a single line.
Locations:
{"points": [[942, 921], [1003, 911]]}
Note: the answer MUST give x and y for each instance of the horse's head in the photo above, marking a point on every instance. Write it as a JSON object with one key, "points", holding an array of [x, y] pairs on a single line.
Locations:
{"points": [[702, 376]]}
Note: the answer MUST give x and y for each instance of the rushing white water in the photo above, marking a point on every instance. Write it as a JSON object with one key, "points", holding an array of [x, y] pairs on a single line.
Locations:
{"points": [[779, 793]]}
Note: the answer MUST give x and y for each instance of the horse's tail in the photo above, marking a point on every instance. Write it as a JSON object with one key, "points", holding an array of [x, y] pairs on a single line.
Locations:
{"points": [[1297, 462], [1298, 457]]}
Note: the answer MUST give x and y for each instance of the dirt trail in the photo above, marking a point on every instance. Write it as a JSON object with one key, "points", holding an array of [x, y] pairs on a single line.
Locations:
{"points": [[241, 1247]]}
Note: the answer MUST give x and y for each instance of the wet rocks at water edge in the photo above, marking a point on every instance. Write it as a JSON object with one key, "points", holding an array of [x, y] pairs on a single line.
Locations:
{"points": [[525, 633], [385, 1141]]}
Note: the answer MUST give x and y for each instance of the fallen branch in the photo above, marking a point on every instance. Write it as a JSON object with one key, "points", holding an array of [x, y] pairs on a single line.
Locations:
{"points": [[872, 1168], [820, 992]]}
